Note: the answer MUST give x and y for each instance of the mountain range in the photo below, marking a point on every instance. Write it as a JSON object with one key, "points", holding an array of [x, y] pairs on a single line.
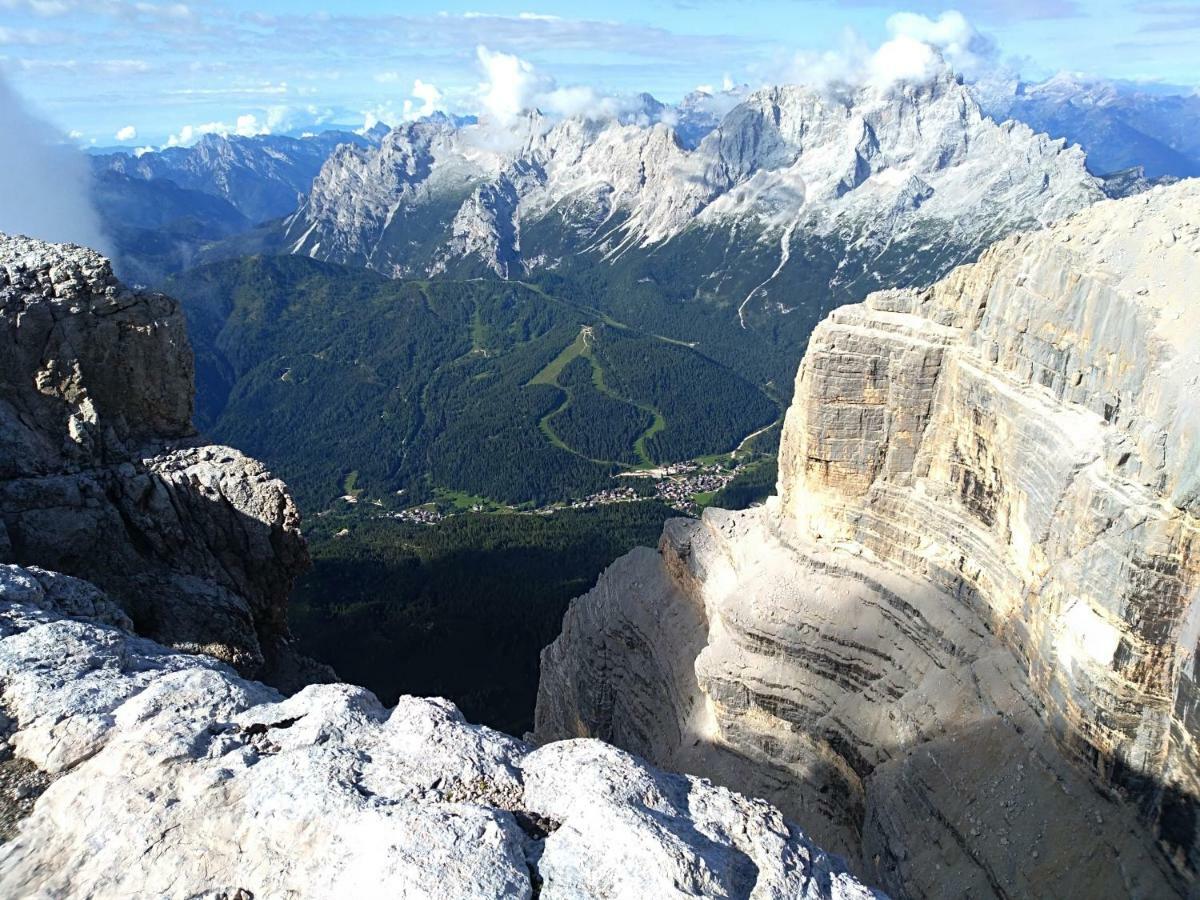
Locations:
{"points": [[720, 230], [1119, 126], [643, 175], [785, 167], [160, 207]]}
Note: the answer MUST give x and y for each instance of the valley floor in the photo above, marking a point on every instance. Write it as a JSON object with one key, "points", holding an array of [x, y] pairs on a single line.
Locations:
{"points": [[457, 597]]}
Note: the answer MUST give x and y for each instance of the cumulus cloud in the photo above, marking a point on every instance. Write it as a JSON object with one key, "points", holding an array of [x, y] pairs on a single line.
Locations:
{"points": [[44, 179], [513, 86], [128, 133], [429, 96], [273, 120], [425, 99], [903, 59], [510, 85], [917, 49], [964, 48]]}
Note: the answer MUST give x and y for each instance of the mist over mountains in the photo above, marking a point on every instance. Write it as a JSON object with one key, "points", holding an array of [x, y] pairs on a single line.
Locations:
{"points": [[44, 179]]}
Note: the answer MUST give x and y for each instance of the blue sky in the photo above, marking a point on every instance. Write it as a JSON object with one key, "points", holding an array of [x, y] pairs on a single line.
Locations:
{"points": [[147, 70]]}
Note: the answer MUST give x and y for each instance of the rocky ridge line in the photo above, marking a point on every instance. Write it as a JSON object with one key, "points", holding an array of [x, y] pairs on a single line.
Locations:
{"points": [[787, 164], [102, 475]]}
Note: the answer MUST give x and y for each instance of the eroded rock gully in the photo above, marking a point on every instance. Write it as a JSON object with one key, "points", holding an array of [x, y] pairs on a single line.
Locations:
{"points": [[960, 646], [101, 475]]}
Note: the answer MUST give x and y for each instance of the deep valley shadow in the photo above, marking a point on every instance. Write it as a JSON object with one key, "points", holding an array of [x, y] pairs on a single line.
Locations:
{"points": [[460, 609]]}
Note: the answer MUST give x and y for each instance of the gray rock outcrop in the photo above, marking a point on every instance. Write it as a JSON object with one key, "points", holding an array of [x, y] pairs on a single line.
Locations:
{"points": [[961, 644], [101, 476], [171, 776]]}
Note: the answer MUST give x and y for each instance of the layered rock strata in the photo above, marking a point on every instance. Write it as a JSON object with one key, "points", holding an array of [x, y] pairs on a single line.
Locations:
{"points": [[961, 644], [101, 475], [170, 776]]}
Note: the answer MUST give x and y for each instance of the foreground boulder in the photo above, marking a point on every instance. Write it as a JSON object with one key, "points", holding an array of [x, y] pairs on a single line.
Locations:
{"points": [[101, 474], [961, 644], [171, 776]]}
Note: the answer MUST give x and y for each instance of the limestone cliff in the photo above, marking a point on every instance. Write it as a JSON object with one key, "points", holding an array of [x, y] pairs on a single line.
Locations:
{"points": [[101, 475], [166, 775], [961, 644]]}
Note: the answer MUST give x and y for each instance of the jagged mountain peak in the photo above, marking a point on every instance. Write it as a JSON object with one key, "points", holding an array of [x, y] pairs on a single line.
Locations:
{"points": [[882, 161]]}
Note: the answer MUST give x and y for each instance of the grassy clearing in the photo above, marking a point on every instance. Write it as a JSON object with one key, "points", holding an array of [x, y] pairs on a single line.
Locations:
{"points": [[580, 347], [464, 502]]}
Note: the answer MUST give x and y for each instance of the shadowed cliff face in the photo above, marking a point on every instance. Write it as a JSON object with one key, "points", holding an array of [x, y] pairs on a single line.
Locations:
{"points": [[960, 645], [100, 475]]}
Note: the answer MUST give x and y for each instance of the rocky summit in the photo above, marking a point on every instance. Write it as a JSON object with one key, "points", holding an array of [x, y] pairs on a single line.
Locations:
{"points": [[102, 476], [168, 775], [961, 643]]}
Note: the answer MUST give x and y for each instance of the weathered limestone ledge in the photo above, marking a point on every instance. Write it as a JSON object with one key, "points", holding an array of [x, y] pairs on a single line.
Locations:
{"points": [[961, 644], [173, 777]]}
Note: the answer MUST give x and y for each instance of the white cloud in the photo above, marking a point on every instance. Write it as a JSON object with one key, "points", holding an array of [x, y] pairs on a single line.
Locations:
{"points": [[918, 49], [128, 133], [424, 100], [189, 134], [44, 179], [384, 113], [270, 121], [429, 96], [513, 86], [903, 59], [31, 37], [134, 10], [959, 43], [249, 126]]}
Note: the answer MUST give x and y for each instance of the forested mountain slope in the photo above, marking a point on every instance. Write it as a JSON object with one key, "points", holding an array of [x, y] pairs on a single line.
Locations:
{"points": [[490, 388]]}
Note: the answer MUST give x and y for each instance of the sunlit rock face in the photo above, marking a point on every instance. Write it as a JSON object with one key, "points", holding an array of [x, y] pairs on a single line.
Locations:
{"points": [[961, 643], [885, 168], [164, 774]]}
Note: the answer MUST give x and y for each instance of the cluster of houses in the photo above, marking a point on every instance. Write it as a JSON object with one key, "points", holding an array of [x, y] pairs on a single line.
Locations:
{"points": [[679, 490], [676, 485]]}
